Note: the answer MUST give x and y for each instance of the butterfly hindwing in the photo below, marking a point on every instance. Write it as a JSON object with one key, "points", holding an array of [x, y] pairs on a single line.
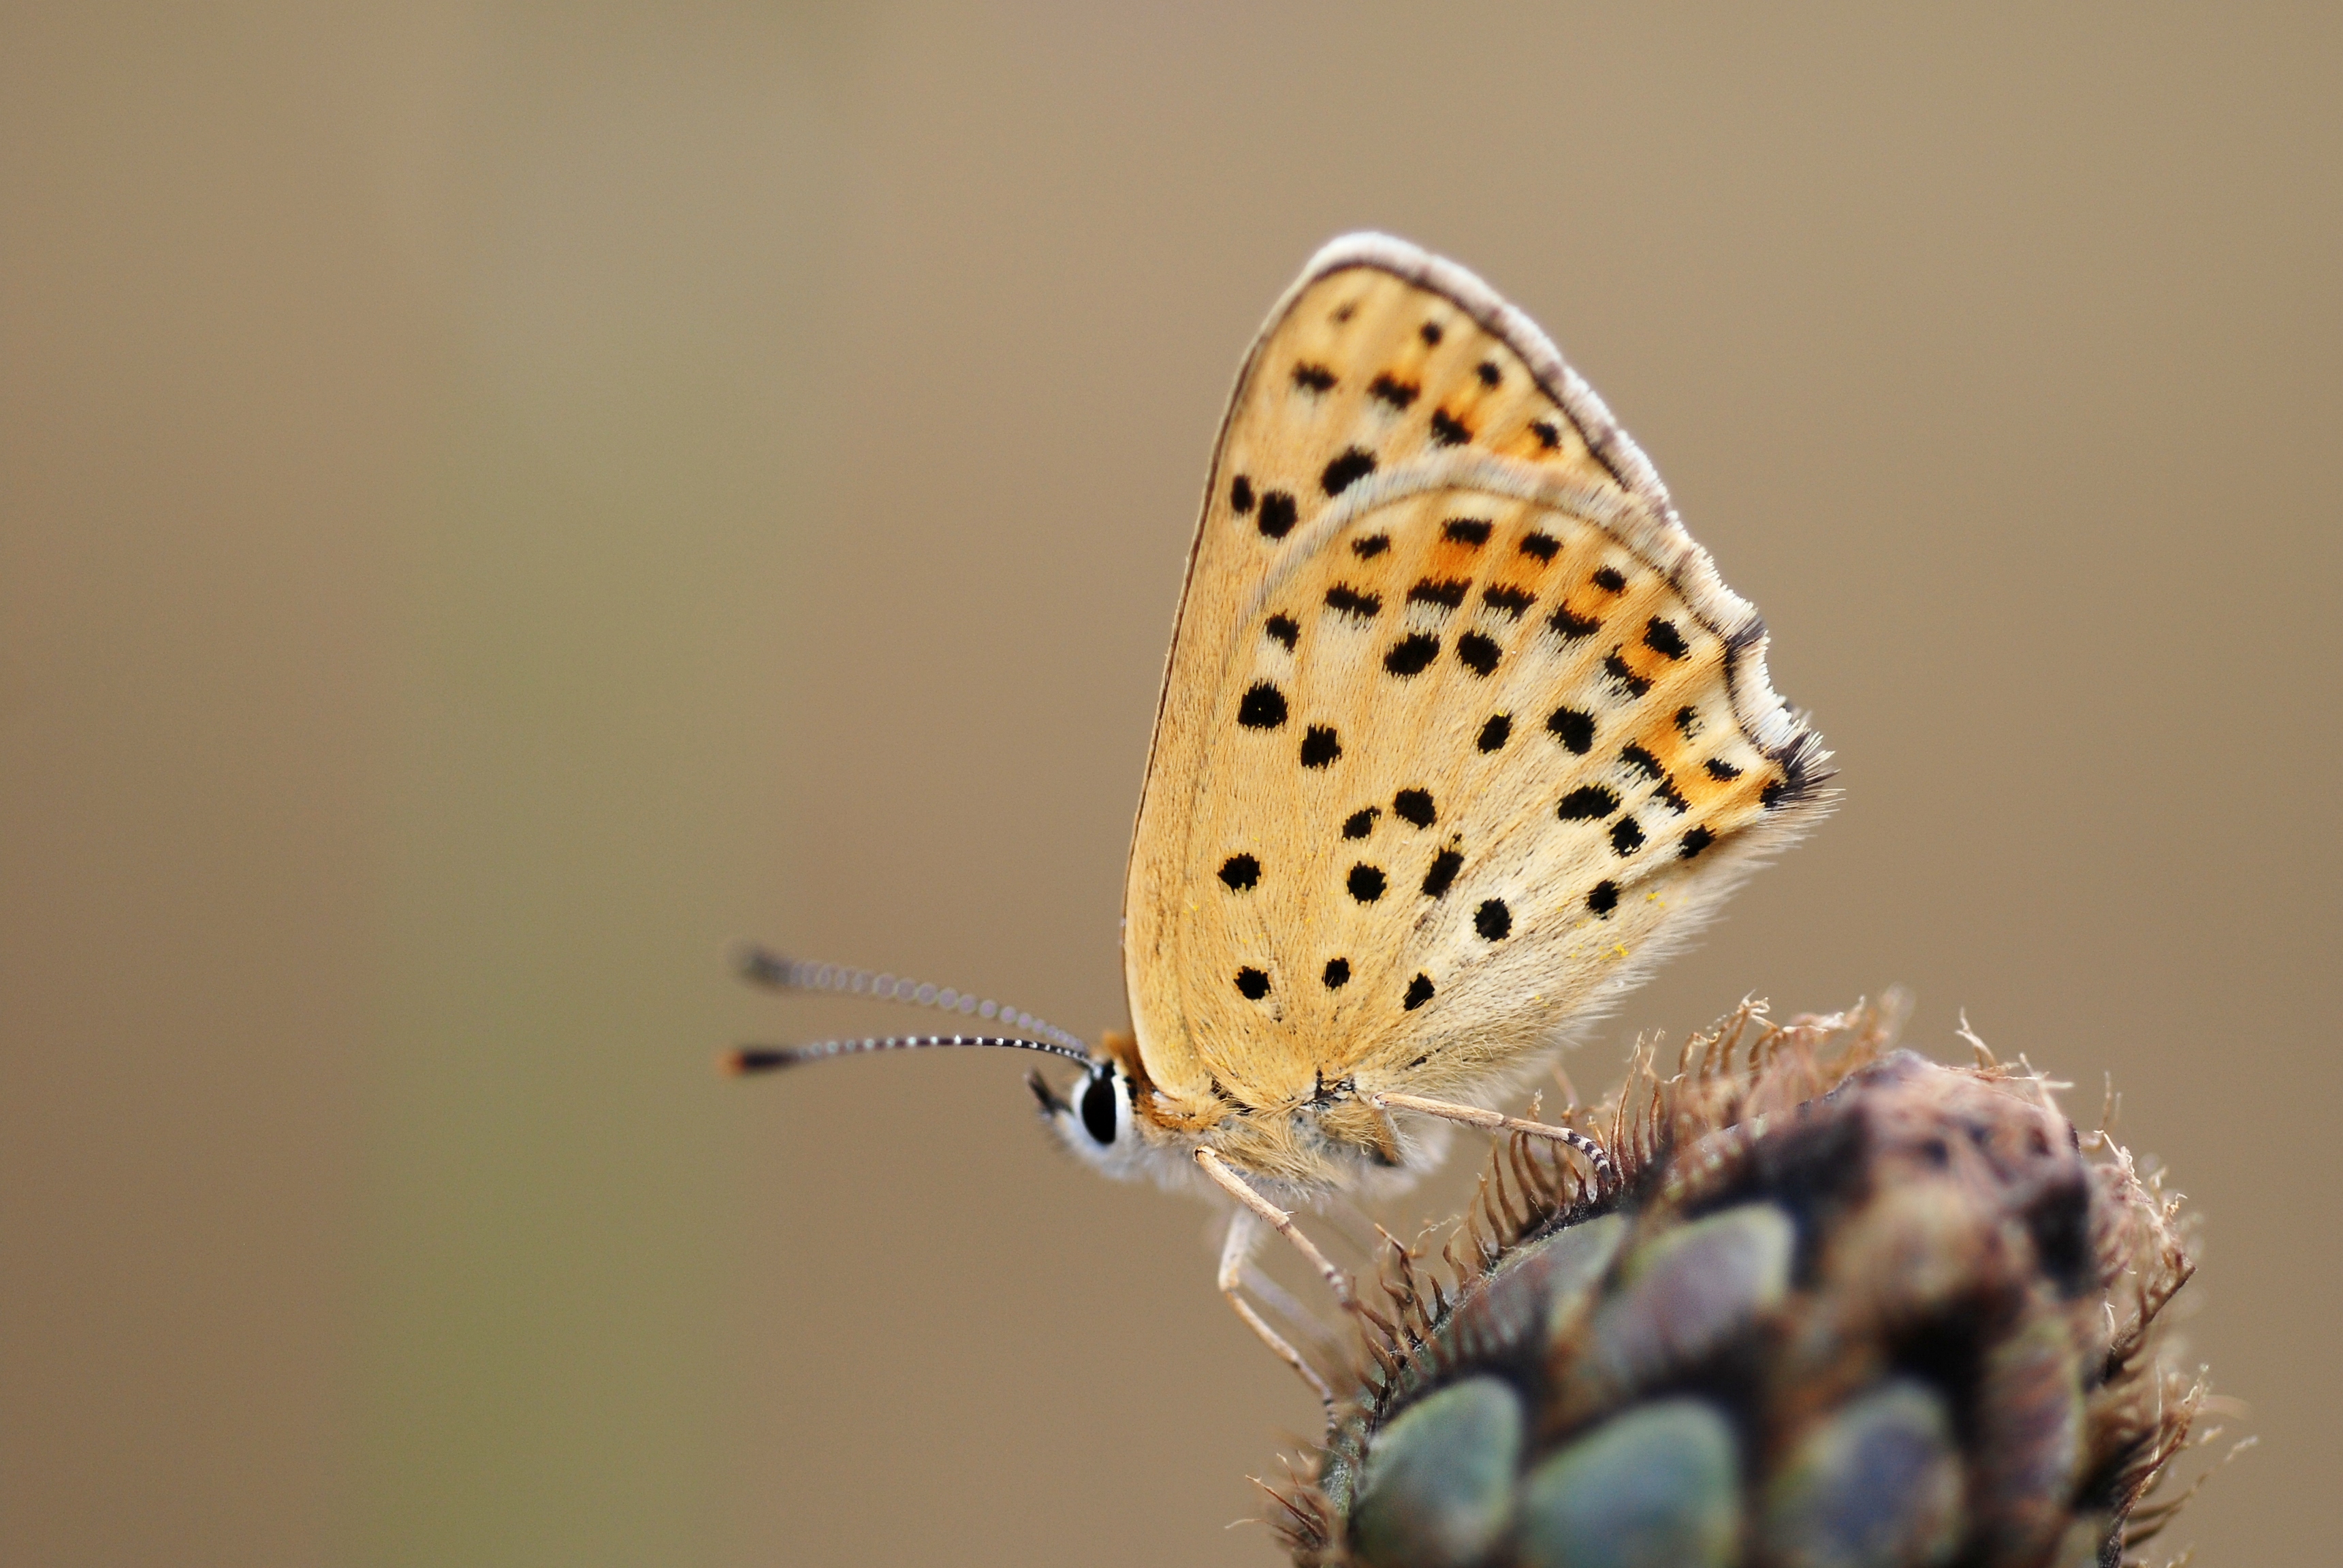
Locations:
{"points": [[1459, 727]]}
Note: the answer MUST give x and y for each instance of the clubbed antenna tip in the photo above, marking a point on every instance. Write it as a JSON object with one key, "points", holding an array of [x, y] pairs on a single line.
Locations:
{"points": [[758, 965]]}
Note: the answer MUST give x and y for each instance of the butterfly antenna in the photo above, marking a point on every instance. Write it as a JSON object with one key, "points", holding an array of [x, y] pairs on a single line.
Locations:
{"points": [[750, 1058], [762, 966]]}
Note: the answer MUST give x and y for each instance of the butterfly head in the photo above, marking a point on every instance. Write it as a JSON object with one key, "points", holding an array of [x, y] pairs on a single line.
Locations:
{"points": [[1096, 1116], [1105, 1115]]}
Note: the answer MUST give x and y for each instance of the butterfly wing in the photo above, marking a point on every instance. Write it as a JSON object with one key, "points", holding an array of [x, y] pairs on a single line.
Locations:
{"points": [[1460, 730]]}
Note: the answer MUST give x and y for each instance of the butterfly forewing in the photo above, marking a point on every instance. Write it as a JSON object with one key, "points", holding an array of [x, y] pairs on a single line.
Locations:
{"points": [[1459, 726]]}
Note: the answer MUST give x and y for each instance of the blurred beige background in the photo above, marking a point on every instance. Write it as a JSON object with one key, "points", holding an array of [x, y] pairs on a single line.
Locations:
{"points": [[496, 501]]}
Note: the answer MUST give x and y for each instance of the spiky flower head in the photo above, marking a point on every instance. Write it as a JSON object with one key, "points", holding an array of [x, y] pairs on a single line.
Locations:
{"points": [[1847, 1308]]}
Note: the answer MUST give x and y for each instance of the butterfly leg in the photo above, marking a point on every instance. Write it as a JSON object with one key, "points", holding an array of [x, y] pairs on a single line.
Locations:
{"points": [[1245, 1229], [1605, 1176], [1310, 1336], [1279, 1220]]}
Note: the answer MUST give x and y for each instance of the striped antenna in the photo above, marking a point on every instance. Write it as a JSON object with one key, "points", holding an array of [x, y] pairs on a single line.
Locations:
{"points": [[770, 1058], [762, 966]]}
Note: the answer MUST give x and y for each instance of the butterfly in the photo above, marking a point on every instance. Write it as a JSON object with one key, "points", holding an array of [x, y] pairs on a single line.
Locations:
{"points": [[1461, 733]]}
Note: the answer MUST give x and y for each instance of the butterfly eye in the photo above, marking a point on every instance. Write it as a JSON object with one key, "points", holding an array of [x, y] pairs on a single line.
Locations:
{"points": [[1098, 1107]]}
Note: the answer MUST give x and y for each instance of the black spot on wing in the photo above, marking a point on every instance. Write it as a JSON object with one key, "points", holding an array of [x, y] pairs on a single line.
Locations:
{"points": [[1392, 392], [1263, 707], [1368, 547], [1278, 514], [1570, 626], [1508, 600], [1478, 652], [1610, 579], [1587, 803], [1488, 373], [1411, 655], [1284, 629], [1493, 920], [1365, 882], [1419, 992], [1416, 806], [1602, 898], [1641, 761], [1627, 836], [1495, 734], [1429, 332], [1466, 530], [1542, 546], [1337, 973], [1549, 435], [1241, 495], [1314, 379], [1688, 723], [1720, 770], [1360, 823], [1662, 637], [1666, 794], [1252, 984], [1354, 463], [1447, 431], [1446, 593], [1694, 842], [1624, 676], [1240, 872], [1574, 730], [1321, 745], [1442, 874], [1350, 602]]}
